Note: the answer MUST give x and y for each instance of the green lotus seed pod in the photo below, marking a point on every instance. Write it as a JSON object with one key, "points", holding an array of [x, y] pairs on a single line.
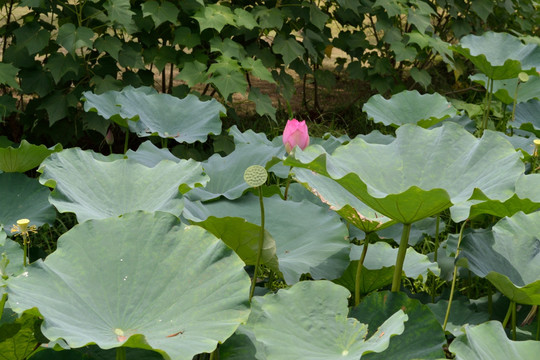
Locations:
{"points": [[255, 175]]}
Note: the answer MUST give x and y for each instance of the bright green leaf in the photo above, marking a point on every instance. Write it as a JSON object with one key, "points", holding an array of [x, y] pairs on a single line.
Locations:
{"points": [[160, 12], [73, 38]]}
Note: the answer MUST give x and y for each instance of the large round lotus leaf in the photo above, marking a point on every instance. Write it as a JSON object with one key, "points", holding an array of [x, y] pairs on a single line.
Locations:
{"points": [[150, 155], [342, 201], [25, 157], [423, 337], [409, 107], [227, 173], [143, 280], [309, 321], [24, 198], [11, 259], [309, 239], [488, 341], [185, 120], [505, 90], [243, 237], [499, 55], [527, 117], [415, 176], [96, 188], [508, 256], [526, 199]]}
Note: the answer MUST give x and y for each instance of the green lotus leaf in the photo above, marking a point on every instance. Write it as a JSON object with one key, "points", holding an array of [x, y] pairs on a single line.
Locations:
{"points": [[143, 280], [243, 237], [370, 280], [525, 199], [462, 313], [423, 337], [309, 321], [309, 239], [342, 201], [499, 55], [527, 117], [150, 155], [20, 337], [93, 352], [227, 173], [380, 255], [184, 120], [508, 256], [489, 341], [25, 157], [409, 107], [95, 187], [414, 177], [22, 197], [505, 90]]}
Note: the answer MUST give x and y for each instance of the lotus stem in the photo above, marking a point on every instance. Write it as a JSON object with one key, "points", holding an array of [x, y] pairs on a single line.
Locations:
{"points": [[26, 241], [537, 323], [126, 141], [514, 319], [259, 250], [435, 255], [507, 316], [402, 251], [288, 184], [454, 277], [2, 303], [359, 271], [120, 353]]}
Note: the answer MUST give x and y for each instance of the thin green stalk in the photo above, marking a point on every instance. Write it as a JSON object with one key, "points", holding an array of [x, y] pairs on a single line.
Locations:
{"points": [[288, 184], [2, 304], [490, 300], [454, 277], [164, 143], [507, 316], [359, 272], [488, 108], [259, 250], [126, 141], [515, 103], [120, 353], [25, 248], [435, 256], [514, 320], [402, 251], [538, 323]]}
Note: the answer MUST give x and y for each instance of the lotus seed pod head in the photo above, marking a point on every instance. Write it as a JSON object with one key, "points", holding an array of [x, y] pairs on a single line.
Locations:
{"points": [[23, 224], [295, 134], [255, 175]]}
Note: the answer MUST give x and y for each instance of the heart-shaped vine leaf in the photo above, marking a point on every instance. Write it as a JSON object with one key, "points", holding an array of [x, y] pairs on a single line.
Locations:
{"points": [[96, 187], [143, 280]]}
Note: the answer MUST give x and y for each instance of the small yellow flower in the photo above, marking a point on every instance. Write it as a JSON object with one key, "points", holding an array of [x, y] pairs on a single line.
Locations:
{"points": [[22, 227]]}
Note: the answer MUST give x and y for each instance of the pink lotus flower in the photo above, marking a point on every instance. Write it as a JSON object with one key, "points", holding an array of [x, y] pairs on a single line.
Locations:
{"points": [[295, 134]]}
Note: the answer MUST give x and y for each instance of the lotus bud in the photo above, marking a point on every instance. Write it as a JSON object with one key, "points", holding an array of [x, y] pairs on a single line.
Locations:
{"points": [[295, 134], [109, 138]]}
